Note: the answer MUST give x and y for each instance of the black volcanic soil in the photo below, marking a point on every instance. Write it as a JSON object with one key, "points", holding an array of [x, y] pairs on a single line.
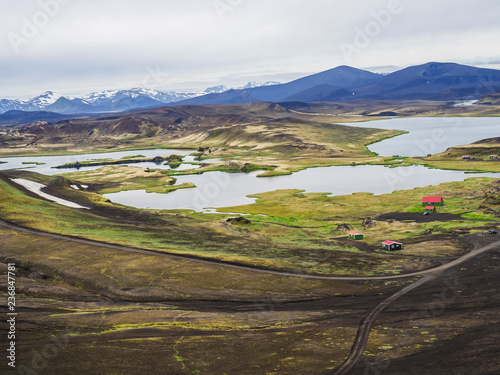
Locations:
{"points": [[470, 310], [45, 314], [418, 217]]}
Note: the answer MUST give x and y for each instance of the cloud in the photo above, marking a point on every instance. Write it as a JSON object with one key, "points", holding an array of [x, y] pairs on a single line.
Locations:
{"points": [[98, 44]]}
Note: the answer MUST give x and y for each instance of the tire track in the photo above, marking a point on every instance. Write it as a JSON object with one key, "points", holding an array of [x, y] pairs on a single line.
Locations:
{"points": [[366, 324], [247, 268]]}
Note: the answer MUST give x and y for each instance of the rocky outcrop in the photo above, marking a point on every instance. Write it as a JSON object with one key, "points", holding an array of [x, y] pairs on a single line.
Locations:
{"points": [[369, 223], [490, 211], [237, 220], [492, 198], [207, 150], [344, 228]]}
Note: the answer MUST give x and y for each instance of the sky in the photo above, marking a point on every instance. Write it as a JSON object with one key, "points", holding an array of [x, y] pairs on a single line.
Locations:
{"points": [[75, 47]]}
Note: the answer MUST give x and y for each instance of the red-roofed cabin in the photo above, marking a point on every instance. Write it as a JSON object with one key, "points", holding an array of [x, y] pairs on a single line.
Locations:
{"points": [[432, 201], [430, 209], [392, 245], [356, 236], [493, 156]]}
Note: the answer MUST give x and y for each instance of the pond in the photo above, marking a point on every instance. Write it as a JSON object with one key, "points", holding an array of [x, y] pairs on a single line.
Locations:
{"points": [[48, 162], [431, 135], [221, 189]]}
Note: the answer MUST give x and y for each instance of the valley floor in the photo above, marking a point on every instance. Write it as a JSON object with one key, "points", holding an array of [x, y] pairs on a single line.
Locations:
{"points": [[79, 313], [115, 290]]}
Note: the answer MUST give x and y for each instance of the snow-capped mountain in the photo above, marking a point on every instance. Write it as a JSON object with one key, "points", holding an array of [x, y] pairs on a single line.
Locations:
{"points": [[250, 85], [253, 84], [99, 98], [109, 100], [216, 89], [37, 103], [12, 105], [44, 100], [97, 102]]}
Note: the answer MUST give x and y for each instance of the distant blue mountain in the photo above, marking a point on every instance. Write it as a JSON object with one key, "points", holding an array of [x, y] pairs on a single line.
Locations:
{"points": [[106, 101], [78, 106], [321, 93], [65, 105], [431, 81], [342, 77], [434, 81], [23, 117], [109, 100]]}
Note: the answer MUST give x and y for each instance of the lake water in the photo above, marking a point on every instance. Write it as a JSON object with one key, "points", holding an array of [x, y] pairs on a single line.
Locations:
{"points": [[428, 135], [220, 189], [54, 161], [431, 135]]}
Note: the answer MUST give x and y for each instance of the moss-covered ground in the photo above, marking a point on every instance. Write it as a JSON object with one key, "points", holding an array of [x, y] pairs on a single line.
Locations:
{"points": [[113, 311], [288, 229]]}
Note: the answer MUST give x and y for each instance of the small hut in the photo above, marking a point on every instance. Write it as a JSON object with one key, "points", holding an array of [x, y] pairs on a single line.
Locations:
{"points": [[432, 201], [392, 245], [356, 236], [430, 209]]}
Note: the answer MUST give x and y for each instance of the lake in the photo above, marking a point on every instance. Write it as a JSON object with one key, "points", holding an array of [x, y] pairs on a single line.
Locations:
{"points": [[428, 135], [221, 189], [54, 161], [431, 135]]}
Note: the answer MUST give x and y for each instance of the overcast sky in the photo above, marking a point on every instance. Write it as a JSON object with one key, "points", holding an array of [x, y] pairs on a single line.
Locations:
{"points": [[75, 47]]}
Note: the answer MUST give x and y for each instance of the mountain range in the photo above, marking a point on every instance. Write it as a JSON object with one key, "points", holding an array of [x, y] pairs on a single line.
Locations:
{"points": [[109, 100], [106, 101], [431, 81]]}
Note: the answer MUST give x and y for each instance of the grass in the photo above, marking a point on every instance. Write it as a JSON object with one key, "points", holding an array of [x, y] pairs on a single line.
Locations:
{"points": [[321, 214], [127, 321], [459, 165], [452, 158], [102, 162], [114, 179], [296, 233], [135, 316], [319, 207], [133, 157], [82, 265], [197, 235]]}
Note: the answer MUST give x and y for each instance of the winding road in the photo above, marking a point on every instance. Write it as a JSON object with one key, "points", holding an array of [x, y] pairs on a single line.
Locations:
{"points": [[438, 269], [365, 325]]}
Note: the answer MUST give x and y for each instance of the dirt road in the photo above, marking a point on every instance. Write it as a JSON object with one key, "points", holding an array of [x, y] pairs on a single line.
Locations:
{"points": [[366, 324], [247, 268]]}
